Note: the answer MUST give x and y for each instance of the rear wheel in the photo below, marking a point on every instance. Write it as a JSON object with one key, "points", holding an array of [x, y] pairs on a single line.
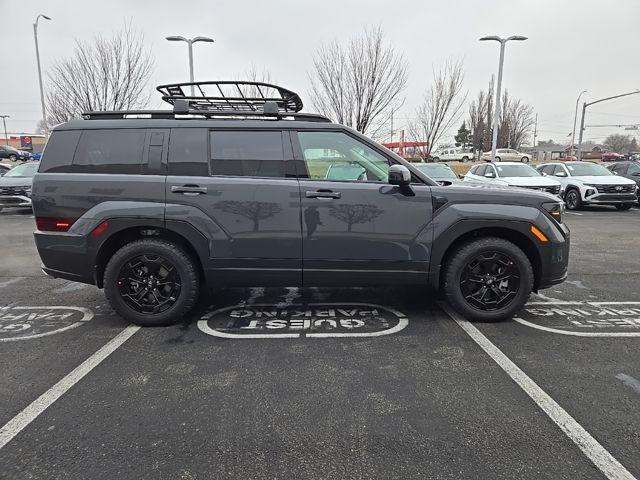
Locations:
{"points": [[436, 159], [524, 160], [13, 158], [624, 206], [488, 279], [151, 282], [465, 159], [497, 159], [572, 199]]}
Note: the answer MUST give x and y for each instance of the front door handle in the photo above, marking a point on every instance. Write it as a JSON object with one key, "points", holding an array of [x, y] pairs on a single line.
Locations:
{"points": [[329, 194], [189, 189]]}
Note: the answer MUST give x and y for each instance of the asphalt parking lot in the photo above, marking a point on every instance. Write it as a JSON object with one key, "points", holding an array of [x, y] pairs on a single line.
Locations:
{"points": [[331, 384]]}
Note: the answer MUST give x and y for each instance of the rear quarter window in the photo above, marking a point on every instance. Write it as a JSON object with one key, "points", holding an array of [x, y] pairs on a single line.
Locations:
{"points": [[58, 153], [116, 151]]}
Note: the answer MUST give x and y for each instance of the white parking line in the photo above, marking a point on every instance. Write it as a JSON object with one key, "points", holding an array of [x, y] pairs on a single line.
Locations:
{"points": [[595, 452], [629, 381], [14, 426]]}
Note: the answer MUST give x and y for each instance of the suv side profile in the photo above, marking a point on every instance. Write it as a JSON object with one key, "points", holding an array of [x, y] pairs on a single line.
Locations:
{"points": [[250, 192]]}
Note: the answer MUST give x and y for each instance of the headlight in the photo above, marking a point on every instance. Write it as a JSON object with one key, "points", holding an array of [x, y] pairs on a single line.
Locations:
{"points": [[555, 209]]}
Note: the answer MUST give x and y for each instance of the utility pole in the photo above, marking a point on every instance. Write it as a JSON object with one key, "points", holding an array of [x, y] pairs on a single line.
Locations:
{"points": [[584, 110], [392, 125], [535, 131], [575, 116]]}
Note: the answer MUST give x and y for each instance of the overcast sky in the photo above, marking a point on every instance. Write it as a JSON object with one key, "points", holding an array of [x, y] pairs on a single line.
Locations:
{"points": [[573, 45]]}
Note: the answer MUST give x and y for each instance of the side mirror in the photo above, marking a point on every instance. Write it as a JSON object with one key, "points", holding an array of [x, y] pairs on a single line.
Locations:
{"points": [[544, 174], [614, 172], [399, 175], [489, 175], [561, 174]]}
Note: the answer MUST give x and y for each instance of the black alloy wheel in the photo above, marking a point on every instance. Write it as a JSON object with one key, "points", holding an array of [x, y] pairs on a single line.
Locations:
{"points": [[490, 281], [572, 199], [149, 284]]}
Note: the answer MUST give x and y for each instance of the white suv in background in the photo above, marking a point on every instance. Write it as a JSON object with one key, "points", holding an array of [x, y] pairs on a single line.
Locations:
{"points": [[514, 175], [507, 155], [452, 155], [589, 183]]}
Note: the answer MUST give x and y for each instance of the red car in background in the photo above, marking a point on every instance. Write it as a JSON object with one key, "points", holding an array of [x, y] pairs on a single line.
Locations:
{"points": [[612, 157]]}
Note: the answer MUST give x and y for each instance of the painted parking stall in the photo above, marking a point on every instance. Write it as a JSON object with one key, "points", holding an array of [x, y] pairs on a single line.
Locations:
{"points": [[583, 319], [314, 320], [30, 322]]}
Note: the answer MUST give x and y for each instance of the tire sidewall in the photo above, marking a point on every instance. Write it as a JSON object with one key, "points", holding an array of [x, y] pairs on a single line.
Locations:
{"points": [[174, 255], [454, 292], [576, 206]]}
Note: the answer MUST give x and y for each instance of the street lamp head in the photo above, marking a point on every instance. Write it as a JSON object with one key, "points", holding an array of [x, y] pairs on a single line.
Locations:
{"points": [[516, 37], [491, 37], [45, 17], [176, 38], [202, 39]]}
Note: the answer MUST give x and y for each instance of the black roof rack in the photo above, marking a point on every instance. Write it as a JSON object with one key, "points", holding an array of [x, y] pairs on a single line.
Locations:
{"points": [[234, 96], [222, 99]]}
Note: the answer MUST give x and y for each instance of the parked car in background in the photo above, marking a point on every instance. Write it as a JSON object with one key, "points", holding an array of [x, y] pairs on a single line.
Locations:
{"points": [[514, 175], [452, 155], [36, 156], [440, 172], [587, 183], [612, 157], [507, 155], [630, 170], [13, 154], [15, 186], [4, 168]]}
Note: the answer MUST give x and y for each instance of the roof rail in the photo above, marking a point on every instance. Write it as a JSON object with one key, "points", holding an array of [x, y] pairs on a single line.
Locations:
{"points": [[170, 114], [235, 96]]}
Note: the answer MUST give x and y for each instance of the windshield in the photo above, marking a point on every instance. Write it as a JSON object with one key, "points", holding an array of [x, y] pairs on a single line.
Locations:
{"points": [[437, 171], [591, 169], [24, 170], [516, 171]]}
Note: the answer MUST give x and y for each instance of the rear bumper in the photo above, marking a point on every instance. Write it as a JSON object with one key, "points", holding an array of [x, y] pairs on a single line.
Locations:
{"points": [[65, 256], [15, 201]]}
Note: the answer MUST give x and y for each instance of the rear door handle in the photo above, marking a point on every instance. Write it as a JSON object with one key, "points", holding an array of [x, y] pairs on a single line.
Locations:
{"points": [[323, 194], [189, 189]]}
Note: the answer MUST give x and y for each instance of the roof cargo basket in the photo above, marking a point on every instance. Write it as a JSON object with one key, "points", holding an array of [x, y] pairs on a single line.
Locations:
{"points": [[226, 98], [234, 97]]}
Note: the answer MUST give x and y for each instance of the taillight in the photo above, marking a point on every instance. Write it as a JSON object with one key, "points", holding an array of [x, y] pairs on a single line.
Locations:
{"points": [[48, 224]]}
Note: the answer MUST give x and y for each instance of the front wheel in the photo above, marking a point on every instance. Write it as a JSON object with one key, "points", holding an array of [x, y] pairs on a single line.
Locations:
{"points": [[497, 159], [464, 159], [436, 159], [151, 282], [572, 199], [624, 206], [13, 158], [488, 279]]}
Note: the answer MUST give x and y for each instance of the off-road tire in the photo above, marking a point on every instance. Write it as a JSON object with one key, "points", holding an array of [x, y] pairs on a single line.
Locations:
{"points": [[459, 260], [185, 266]]}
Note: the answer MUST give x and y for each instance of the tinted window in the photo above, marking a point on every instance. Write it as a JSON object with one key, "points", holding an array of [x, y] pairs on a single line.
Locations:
{"points": [[338, 156], [247, 154], [58, 153], [481, 170], [633, 168], [110, 151], [188, 152]]}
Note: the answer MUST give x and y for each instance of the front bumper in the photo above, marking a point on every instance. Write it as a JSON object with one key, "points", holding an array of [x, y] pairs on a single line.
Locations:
{"points": [[15, 201], [611, 198], [555, 260]]}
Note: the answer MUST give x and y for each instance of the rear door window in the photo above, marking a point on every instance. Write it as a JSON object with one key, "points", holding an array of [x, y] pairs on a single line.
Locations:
{"points": [[247, 153], [481, 170], [188, 152], [112, 151]]}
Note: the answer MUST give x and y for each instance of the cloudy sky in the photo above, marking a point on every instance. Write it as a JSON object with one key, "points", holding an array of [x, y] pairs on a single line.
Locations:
{"points": [[573, 45]]}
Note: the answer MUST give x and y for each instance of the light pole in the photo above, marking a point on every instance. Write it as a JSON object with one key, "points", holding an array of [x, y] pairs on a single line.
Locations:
{"points": [[4, 122], [575, 117], [584, 111], [503, 42], [190, 42], [35, 35]]}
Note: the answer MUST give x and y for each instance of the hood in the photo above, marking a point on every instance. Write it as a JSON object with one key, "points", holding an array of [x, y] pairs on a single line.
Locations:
{"points": [[608, 180], [530, 181], [504, 194], [15, 181]]}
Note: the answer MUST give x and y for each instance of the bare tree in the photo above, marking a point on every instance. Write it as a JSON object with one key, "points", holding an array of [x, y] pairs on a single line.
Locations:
{"points": [[441, 107], [620, 143], [254, 211], [357, 83], [107, 74], [481, 118], [516, 122]]}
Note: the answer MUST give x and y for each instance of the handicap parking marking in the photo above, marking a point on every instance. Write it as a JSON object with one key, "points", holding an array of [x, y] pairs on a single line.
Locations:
{"points": [[583, 318], [313, 320], [29, 322]]}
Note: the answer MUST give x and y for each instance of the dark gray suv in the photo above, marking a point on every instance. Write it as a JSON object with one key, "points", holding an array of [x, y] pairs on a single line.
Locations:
{"points": [[243, 190]]}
